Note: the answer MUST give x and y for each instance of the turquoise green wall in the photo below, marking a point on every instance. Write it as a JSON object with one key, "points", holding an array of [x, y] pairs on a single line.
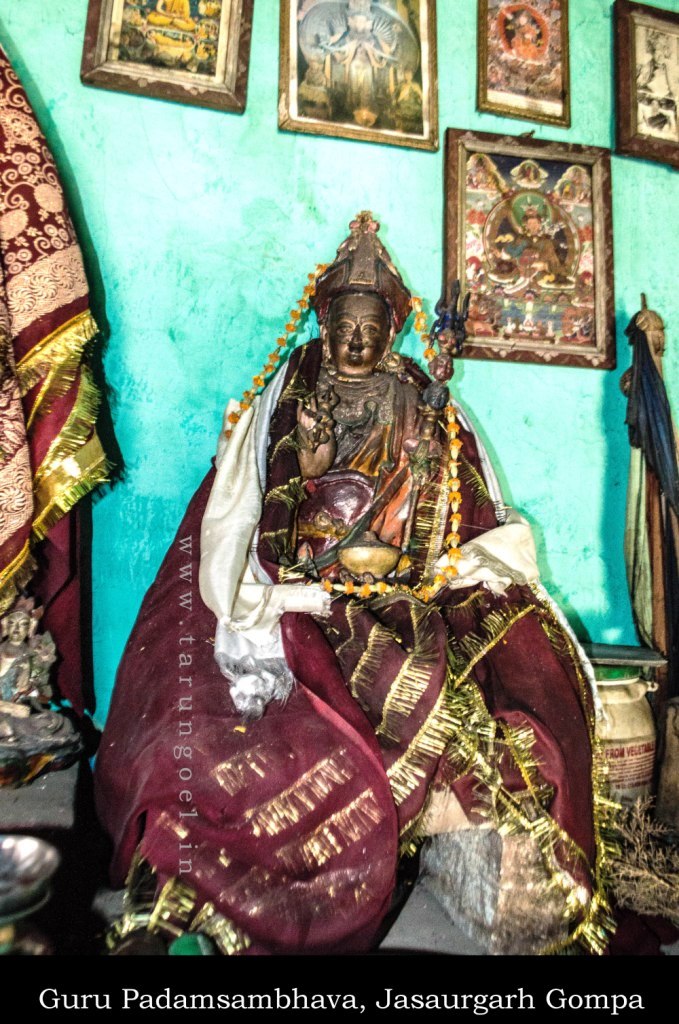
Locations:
{"points": [[199, 230]]}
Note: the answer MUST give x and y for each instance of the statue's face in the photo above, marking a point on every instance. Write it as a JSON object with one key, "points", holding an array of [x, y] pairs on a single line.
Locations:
{"points": [[359, 332], [18, 626]]}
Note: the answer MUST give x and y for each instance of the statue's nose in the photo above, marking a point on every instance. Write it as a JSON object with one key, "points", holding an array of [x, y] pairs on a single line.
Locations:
{"points": [[356, 340]]}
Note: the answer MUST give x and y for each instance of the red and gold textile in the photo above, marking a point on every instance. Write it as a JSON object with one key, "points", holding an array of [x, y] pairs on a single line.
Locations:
{"points": [[50, 455], [287, 830]]}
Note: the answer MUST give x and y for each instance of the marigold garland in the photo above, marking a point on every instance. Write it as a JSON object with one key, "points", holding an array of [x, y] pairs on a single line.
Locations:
{"points": [[294, 323]]}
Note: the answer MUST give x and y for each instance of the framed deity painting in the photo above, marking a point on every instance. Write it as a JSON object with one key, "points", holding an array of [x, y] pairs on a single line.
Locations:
{"points": [[360, 69], [523, 61], [528, 233], [190, 51], [647, 81]]}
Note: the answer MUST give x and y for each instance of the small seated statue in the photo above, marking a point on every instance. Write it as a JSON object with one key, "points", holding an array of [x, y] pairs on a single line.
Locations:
{"points": [[371, 661], [25, 656], [33, 738]]}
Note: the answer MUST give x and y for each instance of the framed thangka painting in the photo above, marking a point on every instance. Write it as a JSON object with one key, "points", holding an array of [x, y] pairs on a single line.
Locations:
{"points": [[647, 80], [360, 69], [523, 59], [528, 233], [190, 51]]}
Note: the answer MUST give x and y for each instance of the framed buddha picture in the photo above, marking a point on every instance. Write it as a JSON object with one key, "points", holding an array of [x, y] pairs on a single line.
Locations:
{"points": [[529, 235], [189, 51], [647, 81], [360, 69], [523, 60]]}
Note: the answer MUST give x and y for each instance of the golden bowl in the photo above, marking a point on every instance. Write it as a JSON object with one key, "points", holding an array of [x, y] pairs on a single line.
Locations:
{"points": [[368, 555]]}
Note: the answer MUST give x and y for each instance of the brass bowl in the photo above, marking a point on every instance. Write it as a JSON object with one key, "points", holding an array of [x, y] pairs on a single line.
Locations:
{"points": [[26, 867], [369, 556]]}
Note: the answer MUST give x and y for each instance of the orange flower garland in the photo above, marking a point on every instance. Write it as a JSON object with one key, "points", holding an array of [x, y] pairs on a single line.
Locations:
{"points": [[292, 326]]}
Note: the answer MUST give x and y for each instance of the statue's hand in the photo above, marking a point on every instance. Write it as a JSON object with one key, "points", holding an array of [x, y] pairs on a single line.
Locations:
{"points": [[315, 424]]}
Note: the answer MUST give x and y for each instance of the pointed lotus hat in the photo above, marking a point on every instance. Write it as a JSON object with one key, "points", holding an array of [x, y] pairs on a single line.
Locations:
{"points": [[363, 264]]}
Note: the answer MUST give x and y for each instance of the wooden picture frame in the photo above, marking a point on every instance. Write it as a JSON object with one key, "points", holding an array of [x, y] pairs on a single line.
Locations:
{"points": [[523, 60], [369, 76], [528, 230], [188, 51], [647, 82]]}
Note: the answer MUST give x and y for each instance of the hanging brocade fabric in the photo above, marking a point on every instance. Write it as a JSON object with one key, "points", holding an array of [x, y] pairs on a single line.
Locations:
{"points": [[50, 455]]}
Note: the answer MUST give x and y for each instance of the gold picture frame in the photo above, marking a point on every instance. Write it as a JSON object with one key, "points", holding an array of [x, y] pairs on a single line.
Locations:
{"points": [[188, 51], [523, 65], [368, 74]]}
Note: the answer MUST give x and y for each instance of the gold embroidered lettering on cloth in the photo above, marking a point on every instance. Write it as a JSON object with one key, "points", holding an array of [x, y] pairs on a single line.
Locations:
{"points": [[413, 677], [14, 576], [333, 836], [55, 360], [232, 775], [369, 664], [227, 937], [304, 796]]}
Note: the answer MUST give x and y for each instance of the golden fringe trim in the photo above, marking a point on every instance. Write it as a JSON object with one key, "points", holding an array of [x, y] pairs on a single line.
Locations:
{"points": [[75, 431], [476, 745], [413, 678], [409, 771], [441, 508], [227, 937], [475, 481], [138, 901], [370, 662], [296, 389], [450, 722], [466, 653], [278, 544], [173, 908], [304, 796], [291, 494], [347, 826], [15, 576], [427, 522], [289, 442], [476, 597], [56, 359], [67, 488], [595, 930]]}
